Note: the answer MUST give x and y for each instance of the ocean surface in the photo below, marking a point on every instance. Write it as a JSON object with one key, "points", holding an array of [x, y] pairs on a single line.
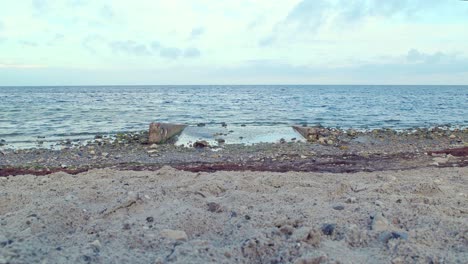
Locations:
{"points": [[31, 115]]}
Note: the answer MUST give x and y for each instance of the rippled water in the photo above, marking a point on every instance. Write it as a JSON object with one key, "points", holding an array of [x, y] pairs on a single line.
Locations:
{"points": [[81, 112]]}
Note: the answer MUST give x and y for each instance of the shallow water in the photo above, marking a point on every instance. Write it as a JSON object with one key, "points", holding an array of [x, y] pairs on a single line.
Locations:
{"points": [[78, 113]]}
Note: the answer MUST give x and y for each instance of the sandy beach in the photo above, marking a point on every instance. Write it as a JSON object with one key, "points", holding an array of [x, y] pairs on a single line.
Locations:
{"points": [[172, 216]]}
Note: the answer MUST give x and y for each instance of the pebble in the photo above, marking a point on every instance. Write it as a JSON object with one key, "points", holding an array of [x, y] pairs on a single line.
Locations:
{"points": [[154, 146], [378, 203], [338, 207], [96, 245], [214, 207], [379, 223], [177, 235], [220, 140], [351, 200], [386, 236], [328, 229], [201, 144]]}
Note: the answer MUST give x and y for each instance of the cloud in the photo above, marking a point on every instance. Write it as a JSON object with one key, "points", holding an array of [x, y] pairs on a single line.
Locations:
{"points": [[192, 53], [91, 42], [267, 41], [106, 12], [40, 5], [155, 45], [197, 32], [29, 43], [129, 47], [314, 14], [170, 53], [416, 56], [19, 66]]}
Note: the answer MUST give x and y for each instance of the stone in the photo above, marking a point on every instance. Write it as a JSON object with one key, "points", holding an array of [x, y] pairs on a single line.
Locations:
{"points": [[177, 235], [95, 245], [378, 203], [379, 223], [154, 146], [223, 124], [201, 124], [162, 132], [386, 236], [338, 207], [220, 140], [214, 207], [201, 144], [452, 136], [328, 229], [351, 200]]}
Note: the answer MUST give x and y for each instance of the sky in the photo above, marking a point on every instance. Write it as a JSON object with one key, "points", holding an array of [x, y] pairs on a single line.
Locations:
{"points": [[148, 42]]}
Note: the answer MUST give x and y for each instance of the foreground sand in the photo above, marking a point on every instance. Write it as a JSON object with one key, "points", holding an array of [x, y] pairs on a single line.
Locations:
{"points": [[170, 216]]}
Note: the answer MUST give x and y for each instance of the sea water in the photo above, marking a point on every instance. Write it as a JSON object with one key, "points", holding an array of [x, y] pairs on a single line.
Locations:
{"points": [[253, 113]]}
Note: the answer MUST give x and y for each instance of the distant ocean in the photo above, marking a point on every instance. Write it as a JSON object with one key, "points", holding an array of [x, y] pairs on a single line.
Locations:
{"points": [[262, 113]]}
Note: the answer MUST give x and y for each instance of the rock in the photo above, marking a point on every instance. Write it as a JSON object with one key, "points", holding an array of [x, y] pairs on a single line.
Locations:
{"points": [[452, 136], [220, 140], [223, 124], [338, 207], [149, 219], [386, 236], [313, 134], [95, 245], [154, 146], [201, 124], [151, 151], [282, 141], [379, 223], [378, 203], [162, 132], [351, 200], [201, 144], [214, 207], [351, 132], [312, 260], [328, 229], [177, 235]]}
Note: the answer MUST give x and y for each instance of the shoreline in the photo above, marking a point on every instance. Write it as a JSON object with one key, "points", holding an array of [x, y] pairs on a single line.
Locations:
{"points": [[340, 151]]}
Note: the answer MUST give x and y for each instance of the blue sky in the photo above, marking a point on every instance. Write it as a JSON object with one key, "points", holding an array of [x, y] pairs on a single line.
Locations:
{"points": [[98, 42]]}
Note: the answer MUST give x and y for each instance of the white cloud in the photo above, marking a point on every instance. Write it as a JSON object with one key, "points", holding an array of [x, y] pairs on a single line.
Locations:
{"points": [[299, 37]]}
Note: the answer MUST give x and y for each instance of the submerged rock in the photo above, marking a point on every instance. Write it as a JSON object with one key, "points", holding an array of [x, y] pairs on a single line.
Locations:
{"points": [[201, 144], [162, 132]]}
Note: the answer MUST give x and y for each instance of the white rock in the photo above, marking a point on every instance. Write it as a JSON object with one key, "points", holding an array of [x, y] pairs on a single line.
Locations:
{"points": [[378, 203], [178, 235], [379, 223], [96, 245], [154, 146]]}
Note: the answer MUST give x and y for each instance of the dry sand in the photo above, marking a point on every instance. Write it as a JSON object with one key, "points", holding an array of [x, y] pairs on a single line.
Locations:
{"points": [[170, 216]]}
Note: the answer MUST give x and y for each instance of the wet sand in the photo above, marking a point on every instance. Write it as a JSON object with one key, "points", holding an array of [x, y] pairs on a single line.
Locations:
{"points": [[173, 216]]}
